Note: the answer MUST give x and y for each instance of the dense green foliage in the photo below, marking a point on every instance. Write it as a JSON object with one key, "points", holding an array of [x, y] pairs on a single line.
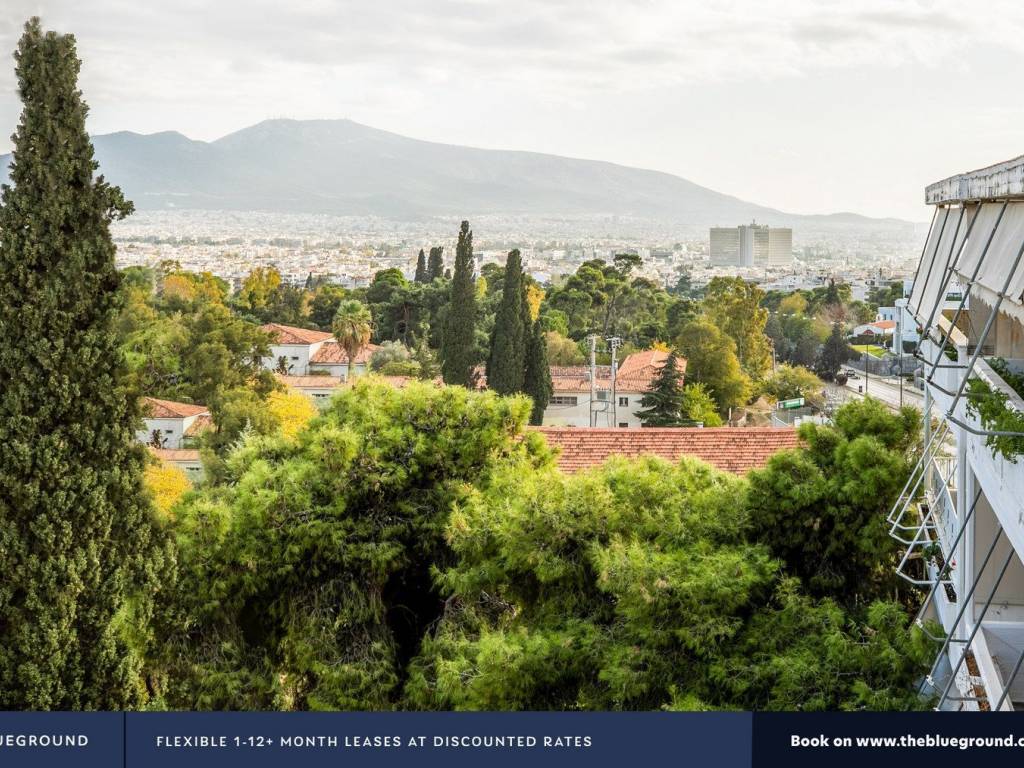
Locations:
{"points": [[662, 406], [435, 265], [506, 365], [305, 582], [352, 328], [458, 341], [640, 585], [822, 509], [834, 353], [421, 268], [991, 407], [711, 360], [413, 550], [790, 381], [537, 377], [734, 306], [78, 545]]}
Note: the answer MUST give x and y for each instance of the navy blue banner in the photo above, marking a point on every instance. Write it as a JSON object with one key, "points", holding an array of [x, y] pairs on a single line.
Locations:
{"points": [[536, 740]]}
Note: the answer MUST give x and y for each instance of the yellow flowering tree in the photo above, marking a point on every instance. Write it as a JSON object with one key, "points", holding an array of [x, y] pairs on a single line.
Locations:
{"points": [[292, 410], [167, 483]]}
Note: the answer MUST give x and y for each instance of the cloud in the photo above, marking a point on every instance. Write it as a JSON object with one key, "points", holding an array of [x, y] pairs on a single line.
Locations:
{"points": [[185, 49]]}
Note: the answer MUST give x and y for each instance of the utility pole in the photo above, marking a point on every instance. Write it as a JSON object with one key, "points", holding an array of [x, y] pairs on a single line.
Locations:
{"points": [[592, 338], [614, 342]]}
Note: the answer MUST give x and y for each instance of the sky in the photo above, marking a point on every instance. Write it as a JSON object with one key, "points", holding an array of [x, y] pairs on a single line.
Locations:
{"points": [[808, 106]]}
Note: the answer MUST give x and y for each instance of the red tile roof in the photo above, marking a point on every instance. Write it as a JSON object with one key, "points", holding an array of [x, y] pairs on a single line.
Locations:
{"points": [[732, 449], [287, 334], [636, 373], [203, 422], [153, 408], [332, 353]]}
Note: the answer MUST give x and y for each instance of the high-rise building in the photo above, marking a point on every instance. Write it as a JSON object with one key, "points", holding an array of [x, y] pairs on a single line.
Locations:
{"points": [[751, 245]]}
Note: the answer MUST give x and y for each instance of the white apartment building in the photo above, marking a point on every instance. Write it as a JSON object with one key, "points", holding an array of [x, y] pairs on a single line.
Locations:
{"points": [[750, 245], [571, 404], [961, 516]]}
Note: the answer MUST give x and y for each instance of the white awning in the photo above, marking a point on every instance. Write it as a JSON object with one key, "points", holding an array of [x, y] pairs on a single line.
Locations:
{"points": [[1006, 244], [943, 248]]}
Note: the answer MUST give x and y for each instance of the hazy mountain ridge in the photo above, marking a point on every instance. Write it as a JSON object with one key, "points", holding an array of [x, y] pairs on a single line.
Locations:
{"points": [[341, 167]]}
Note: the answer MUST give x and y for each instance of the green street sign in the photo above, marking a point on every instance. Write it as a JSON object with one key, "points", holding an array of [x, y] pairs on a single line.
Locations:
{"points": [[796, 402]]}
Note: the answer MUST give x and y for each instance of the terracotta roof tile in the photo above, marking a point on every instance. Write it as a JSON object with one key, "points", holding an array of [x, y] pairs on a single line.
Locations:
{"points": [[152, 408], [287, 334], [732, 449], [203, 422], [332, 353], [636, 373]]}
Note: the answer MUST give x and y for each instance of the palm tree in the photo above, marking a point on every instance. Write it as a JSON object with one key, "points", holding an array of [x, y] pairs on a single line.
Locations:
{"points": [[352, 327]]}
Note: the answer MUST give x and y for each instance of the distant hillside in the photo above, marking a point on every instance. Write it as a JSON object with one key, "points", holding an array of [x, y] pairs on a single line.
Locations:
{"points": [[344, 168]]}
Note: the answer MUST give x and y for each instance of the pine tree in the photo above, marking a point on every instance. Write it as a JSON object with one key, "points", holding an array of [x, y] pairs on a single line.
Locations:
{"points": [[435, 265], [458, 343], [421, 269], [77, 538], [506, 364], [537, 383], [663, 405]]}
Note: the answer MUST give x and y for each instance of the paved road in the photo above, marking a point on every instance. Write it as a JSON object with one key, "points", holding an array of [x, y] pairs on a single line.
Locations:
{"points": [[886, 389]]}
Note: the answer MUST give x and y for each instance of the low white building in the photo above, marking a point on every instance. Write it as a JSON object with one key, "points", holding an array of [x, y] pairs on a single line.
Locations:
{"points": [[291, 348], [185, 459], [171, 425], [317, 388], [302, 352], [571, 404]]}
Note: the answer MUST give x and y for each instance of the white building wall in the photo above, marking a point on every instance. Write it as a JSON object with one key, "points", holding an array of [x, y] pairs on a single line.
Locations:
{"points": [[578, 415], [298, 357], [172, 430]]}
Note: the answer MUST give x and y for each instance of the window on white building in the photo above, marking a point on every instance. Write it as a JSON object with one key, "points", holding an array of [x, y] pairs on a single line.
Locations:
{"points": [[623, 401], [563, 400]]}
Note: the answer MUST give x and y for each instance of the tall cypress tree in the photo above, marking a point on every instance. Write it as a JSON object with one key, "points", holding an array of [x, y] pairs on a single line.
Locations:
{"points": [[506, 363], [537, 380], [663, 405], [421, 269], [76, 533], [458, 342], [435, 265]]}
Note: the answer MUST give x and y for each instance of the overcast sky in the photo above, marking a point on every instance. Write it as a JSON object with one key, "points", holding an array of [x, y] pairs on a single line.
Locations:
{"points": [[810, 106]]}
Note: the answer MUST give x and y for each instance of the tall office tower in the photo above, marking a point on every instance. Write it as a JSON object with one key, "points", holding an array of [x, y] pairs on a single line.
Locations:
{"points": [[751, 245]]}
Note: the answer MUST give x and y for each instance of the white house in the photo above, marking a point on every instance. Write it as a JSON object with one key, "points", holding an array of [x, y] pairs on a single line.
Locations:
{"points": [[169, 424], [880, 328], [302, 352], [906, 325], [291, 348], [571, 406], [331, 360]]}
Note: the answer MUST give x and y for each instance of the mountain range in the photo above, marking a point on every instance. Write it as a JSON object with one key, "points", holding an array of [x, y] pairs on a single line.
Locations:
{"points": [[344, 168]]}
